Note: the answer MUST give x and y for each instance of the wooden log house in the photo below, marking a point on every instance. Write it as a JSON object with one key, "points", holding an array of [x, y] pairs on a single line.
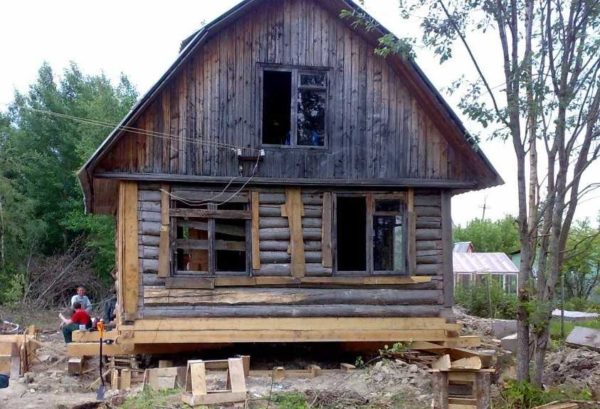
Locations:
{"points": [[284, 183]]}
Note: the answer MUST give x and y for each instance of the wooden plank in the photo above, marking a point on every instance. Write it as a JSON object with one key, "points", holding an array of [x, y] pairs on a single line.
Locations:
{"points": [[213, 398], [472, 362], [196, 378], [130, 265], [291, 324], [326, 247], [442, 364], [440, 390], [164, 255], [295, 209], [236, 375], [232, 335], [211, 282], [125, 383], [255, 231], [212, 214]]}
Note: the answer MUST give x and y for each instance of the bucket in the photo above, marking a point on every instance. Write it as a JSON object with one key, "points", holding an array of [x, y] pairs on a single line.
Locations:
{"points": [[3, 381]]}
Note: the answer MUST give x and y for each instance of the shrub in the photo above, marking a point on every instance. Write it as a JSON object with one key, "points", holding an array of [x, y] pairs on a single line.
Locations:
{"points": [[487, 299]]}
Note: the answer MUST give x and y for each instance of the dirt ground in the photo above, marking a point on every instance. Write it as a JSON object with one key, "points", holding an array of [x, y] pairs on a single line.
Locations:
{"points": [[382, 384]]}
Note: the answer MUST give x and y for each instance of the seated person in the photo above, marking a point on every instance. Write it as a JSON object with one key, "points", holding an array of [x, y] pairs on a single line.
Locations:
{"points": [[82, 299], [110, 311], [79, 317]]}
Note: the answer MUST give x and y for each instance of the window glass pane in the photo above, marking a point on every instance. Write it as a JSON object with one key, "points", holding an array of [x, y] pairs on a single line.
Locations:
{"points": [[230, 245], [387, 205], [511, 283], [313, 80], [277, 99], [388, 243], [311, 117]]}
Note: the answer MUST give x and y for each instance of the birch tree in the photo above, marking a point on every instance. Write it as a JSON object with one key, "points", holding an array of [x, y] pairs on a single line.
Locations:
{"points": [[547, 108]]}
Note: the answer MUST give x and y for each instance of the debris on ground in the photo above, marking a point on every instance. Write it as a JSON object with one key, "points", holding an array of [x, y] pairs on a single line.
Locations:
{"points": [[579, 368]]}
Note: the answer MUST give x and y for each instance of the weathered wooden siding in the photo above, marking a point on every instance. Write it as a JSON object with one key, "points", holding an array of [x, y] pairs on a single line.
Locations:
{"points": [[156, 299], [376, 127]]}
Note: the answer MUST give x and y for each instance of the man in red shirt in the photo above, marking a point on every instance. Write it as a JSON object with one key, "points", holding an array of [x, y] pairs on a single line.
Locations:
{"points": [[79, 317]]}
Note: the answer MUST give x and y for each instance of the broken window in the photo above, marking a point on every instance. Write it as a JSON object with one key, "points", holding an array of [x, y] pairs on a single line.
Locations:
{"points": [[371, 232], [210, 238], [294, 107], [388, 236]]}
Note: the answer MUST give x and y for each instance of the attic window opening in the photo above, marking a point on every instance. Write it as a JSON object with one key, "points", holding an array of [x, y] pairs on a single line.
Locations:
{"points": [[294, 107]]}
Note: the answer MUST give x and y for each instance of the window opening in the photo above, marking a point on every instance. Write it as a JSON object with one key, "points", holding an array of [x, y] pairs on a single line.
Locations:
{"points": [[211, 238], [277, 96], [388, 236], [351, 234], [312, 96], [294, 107]]}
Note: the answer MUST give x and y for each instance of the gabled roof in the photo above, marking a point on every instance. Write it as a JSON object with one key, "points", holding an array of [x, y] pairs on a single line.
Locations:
{"points": [[409, 68]]}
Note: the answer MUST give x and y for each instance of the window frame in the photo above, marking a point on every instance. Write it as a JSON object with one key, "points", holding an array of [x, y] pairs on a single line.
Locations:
{"points": [[370, 199], [295, 71], [212, 271]]}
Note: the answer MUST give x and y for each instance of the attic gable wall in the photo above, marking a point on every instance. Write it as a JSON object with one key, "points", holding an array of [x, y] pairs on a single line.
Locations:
{"points": [[376, 128]]}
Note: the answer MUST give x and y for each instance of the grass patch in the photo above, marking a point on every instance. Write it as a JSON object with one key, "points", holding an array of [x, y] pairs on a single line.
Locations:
{"points": [[523, 395], [569, 325], [291, 400], [152, 399]]}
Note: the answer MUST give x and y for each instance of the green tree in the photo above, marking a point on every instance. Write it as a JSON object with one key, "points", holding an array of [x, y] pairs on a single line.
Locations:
{"points": [[490, 236], [549, 51], [46, 136], [582, 260]]}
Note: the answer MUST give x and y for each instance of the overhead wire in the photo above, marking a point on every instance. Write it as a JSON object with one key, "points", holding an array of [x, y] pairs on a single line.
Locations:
{"points": [[140, 131], [178, 138]]}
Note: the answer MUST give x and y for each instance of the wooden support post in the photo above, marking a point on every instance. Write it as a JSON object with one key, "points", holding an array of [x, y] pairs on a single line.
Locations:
{"points": [[411, 228], [164, 363], [326, 248], [482, 390], [130, 264], [440, 389], [164, 253], [294, 211], [315, 371], [236, 378], [114, 379], [246, 362], [255, 231], [75, 366], [125, 379], [347, 367], [278, 373]]}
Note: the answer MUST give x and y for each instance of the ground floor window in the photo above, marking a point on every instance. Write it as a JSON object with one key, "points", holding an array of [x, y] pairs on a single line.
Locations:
{"points": [[210, 239], [371, 234]]}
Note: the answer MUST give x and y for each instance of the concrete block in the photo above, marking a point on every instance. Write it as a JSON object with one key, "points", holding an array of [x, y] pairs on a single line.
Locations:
{"points": [[584, 337], [502, 328], [509, 343]]}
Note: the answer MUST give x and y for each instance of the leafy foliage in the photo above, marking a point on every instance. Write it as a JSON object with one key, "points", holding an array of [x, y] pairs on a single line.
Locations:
{"points": [[490, 236], [41, 203], [487, 299], [581, 267]]}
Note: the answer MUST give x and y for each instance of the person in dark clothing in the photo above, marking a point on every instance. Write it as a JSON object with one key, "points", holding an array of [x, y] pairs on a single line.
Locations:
{"points": [[79, 319]]}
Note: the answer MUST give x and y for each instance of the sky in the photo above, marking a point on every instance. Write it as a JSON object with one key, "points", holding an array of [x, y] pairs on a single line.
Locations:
{"points": [[141, 39]]}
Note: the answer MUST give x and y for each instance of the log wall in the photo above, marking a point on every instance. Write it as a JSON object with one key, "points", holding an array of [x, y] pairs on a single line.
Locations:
{"points": [[158, 298]]}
